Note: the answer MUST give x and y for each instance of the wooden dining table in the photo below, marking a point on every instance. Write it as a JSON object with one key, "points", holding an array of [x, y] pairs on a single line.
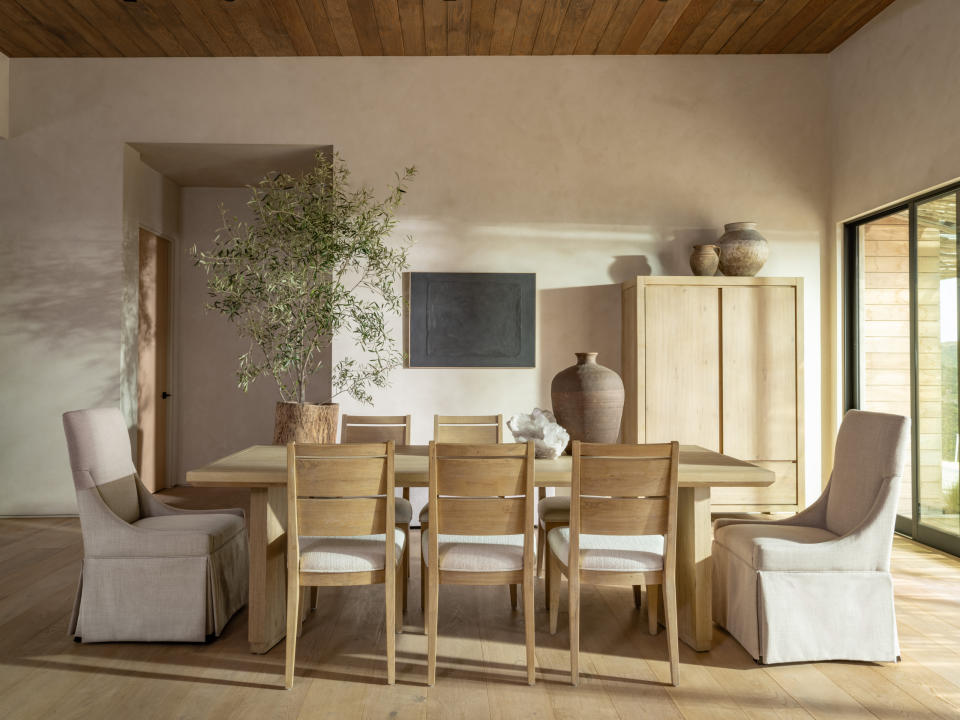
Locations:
{"points": [[262, 469]]}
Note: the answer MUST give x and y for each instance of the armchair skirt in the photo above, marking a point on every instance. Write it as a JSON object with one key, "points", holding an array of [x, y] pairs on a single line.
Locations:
{"points": [[783, 616], [151, 592]]}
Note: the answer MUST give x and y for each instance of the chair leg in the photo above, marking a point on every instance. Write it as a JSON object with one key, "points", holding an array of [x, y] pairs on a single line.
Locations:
{"points": [[401, 599], [405, 566], [653, 595], [293, 614], [390, 601], [529, 623], [314, 596], [553, 578], [304, 596], [423, 575], [573, 588], [637, 596], [513, 596], [549, 577], [541, 543], [433, 592], [670, 619]]}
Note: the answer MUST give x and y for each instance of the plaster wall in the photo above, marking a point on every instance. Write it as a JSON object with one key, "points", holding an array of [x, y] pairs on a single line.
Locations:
{"points": [[894, 100], [4, 96], [585, 170]]}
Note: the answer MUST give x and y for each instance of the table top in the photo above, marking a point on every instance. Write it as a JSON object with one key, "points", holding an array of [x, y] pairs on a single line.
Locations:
{"points": [[266, 465]]}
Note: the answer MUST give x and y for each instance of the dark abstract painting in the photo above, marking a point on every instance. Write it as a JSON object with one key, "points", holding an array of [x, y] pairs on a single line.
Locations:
{"points": [[472, 319]]}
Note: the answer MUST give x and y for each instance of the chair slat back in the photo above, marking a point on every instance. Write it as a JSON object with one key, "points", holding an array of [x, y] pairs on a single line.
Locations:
{"points": [[471, 429], [340, 490], [481, 489], [624, 489], [375, 428], [481, 516], [479, 476]]}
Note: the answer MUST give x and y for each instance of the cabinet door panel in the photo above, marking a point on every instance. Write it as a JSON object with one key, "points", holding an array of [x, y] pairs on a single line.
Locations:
{"points": [[682, 373], [759, 372]]}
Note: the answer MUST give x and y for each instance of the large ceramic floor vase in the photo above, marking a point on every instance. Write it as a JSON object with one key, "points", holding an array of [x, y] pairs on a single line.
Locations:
{"points": [[305, 423], [588, 400]]}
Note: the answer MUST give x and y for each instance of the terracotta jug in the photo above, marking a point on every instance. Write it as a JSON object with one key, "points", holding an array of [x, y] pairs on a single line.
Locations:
{"points": [[704, 260], [588, 400]]}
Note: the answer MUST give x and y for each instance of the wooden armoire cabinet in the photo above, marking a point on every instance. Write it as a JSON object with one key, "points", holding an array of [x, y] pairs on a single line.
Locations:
{"points": [[718, 362]]}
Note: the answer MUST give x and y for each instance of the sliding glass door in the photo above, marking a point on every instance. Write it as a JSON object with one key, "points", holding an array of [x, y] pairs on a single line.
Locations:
{"points": [[901, 349], [936, 230]]}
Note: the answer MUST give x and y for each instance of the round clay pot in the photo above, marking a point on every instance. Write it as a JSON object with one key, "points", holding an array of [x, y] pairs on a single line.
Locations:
{"points": [[588, 400], [305, 423], [743, 250], [704, 260]]}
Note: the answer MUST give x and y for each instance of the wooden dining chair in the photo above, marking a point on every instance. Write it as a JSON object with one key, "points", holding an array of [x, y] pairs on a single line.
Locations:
{"points": [[623, 531], [341, 530], [481, 530], [383, 428], [473, 429]]}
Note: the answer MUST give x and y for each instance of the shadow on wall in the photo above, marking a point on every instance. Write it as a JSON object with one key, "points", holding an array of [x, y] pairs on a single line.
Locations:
{"points": [[627, 267], [64, 306], [577, 319], [674, 256]]}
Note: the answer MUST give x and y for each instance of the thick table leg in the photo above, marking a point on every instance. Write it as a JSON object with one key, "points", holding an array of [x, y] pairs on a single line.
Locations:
{"points": [[694, 568], [266, 607]]}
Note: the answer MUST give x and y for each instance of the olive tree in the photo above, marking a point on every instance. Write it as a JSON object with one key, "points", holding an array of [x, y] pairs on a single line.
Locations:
{"points": [[312, 264]]}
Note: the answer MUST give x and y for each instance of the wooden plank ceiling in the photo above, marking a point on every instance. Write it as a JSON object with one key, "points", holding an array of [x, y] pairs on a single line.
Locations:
{"points": [[230, 28]]}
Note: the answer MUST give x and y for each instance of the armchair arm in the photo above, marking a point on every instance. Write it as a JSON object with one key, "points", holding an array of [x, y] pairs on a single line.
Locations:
{"points": [[813, 516], [106, 535], [866, 548], [152, 506]]}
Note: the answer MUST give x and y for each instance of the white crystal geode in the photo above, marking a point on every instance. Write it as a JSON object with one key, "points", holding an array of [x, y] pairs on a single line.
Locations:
{"points": [[540, 426]]}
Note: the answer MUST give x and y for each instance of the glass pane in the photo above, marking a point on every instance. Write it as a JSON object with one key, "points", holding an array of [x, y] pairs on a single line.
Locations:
{"points": [[937, 363], [885, 325]]}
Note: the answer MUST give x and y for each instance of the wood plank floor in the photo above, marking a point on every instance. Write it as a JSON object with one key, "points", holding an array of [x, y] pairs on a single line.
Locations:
{"points": [[340, 669]]}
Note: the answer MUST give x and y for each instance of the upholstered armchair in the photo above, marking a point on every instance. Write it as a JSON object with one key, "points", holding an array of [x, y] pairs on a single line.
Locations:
{"points": [[817, 586], [150, 572]]}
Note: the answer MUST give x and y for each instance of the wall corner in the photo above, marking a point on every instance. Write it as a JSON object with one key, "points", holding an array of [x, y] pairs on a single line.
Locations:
{"points": [[4, 96]]}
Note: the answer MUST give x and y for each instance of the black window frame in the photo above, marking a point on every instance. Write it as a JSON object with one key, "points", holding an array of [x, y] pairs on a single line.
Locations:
{"points": [[910, 527]]}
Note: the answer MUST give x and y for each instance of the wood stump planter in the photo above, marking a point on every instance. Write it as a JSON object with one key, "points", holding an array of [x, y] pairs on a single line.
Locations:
{"points": [[305, 423]]}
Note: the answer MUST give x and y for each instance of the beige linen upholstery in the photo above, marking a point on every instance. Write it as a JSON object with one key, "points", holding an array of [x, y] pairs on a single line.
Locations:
{"points": [[817, 586], [150, 572], [476, 553], [623, 553], [554, 509], [403, 511], [357, 553], [552, 512]]}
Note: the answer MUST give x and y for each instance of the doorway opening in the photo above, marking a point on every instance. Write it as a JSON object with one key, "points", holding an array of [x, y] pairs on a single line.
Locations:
{"points": [[153, 347]]}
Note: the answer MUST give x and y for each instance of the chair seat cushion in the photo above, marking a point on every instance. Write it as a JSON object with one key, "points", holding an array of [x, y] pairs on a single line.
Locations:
{"points": [[554, 509], [355, 553], [403, 511], [477, 553], [749, 541], [619, 553], [219, 528]]}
